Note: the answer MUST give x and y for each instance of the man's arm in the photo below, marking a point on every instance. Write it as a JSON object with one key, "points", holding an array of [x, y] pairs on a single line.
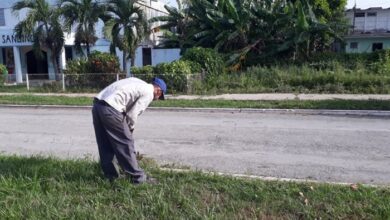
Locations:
{"points": [[138, 108]]}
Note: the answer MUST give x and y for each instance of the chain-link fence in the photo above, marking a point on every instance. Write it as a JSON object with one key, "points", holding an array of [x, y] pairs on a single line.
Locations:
{"points": [[96, 81]]}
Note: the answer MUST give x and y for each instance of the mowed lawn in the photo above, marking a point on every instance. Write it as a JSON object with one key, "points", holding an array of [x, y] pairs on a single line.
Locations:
{"points": [[48, 188], [335, 104]]}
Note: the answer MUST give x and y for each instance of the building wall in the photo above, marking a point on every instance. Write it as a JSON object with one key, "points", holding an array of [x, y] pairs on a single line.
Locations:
{"points": [[164, 55], [153, 8], [368, 26], [369, 20], [365, 45]]}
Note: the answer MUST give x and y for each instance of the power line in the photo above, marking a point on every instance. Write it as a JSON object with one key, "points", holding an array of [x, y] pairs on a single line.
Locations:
{"points": [[101, 2]]}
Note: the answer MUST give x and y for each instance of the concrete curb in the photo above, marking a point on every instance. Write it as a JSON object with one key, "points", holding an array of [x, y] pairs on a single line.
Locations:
{"points": [[269, 178], [367, 113]]}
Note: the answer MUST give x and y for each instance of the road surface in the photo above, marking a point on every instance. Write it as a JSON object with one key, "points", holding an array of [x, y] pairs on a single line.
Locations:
{"points": [[314, 147]]}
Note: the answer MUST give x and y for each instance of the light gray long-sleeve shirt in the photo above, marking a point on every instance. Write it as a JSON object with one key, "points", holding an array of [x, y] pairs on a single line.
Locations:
{"points": [[130, 96]]}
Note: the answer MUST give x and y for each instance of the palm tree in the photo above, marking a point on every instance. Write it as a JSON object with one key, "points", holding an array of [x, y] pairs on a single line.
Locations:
{"points": [[84, 14], [173, 25], [126, 27], [42, 22]]}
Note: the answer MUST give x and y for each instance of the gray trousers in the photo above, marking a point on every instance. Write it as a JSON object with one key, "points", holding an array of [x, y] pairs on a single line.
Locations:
{"points": [[114, 139]]}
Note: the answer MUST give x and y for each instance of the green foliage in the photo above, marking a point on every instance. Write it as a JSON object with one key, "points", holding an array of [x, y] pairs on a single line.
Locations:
{"points": [[209, 60], [301, 79], [43, 24], [98, 71], [83, 15], [77, 66], [100, 62], [3, 69], [382, 63], [178, 74], [125, 26], [294, 28], [48, 188], [3, 73]]}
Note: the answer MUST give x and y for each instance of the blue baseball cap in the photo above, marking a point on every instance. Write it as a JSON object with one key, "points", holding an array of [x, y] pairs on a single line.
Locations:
{"points": [[160, 83]]}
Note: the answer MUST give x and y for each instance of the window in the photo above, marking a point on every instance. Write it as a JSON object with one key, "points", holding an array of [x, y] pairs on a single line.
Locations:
{"points": [[359, 14], [377, 46], [371, 14], [353, 45], [2, 17]]}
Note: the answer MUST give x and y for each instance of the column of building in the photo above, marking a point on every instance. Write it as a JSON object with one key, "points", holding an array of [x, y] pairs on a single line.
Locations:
{"points": [[18, 65]]}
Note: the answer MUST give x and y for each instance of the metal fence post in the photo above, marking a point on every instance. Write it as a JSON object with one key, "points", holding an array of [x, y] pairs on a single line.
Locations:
{"points": [[187, 83], [117, 77], [27, 82], [63, 82]]}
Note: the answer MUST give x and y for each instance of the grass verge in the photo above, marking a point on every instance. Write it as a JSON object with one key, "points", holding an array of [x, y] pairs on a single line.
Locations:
{"points": [[46, 188], [284, 104]]}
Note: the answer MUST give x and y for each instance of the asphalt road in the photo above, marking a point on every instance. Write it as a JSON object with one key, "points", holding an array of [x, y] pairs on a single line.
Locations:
{"points": [[315, 147]]}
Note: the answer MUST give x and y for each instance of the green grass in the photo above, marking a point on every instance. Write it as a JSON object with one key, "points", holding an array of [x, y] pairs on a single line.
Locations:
{"points": [[44, 100], [47, 188], [284, 104], [298, 79]]}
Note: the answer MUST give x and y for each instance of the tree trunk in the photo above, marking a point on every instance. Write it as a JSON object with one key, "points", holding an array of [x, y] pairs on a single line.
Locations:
{"points": [[124, 62], [53, 60], [88, 50], [132, 61]]}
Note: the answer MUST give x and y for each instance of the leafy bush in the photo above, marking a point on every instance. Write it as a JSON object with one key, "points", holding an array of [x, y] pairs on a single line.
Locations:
{"points": [[99, 70], [178, 75], [3, 69], [77, 66], [382, 63], [99, 62], [145, 73], [3, 73], [209, 60]]}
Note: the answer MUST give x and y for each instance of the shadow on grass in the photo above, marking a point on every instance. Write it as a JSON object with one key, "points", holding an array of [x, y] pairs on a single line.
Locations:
{"points": [[53, 168], [50, 168]]}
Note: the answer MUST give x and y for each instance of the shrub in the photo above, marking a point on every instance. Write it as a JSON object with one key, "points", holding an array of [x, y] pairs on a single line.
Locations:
{"points": [[3, 69], [3, 73], [98, 71], [99, 62], [178, 75], [145, 73], [208, 59], [77, 66], [382, 63]]}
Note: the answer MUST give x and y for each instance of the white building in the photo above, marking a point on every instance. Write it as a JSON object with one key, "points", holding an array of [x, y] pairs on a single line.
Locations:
{"points": [[370, 29], [19, 58]]}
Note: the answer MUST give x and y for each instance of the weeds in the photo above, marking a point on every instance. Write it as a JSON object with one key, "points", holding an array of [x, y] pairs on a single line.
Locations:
{"points": [[47, 188]]}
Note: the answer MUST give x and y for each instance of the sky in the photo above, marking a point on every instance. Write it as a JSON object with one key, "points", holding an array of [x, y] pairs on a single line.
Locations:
{"points": [[363, 4]]}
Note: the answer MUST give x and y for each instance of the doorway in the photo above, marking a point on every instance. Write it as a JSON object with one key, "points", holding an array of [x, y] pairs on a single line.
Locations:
{"points": [[146, 56], [37, 68]]}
